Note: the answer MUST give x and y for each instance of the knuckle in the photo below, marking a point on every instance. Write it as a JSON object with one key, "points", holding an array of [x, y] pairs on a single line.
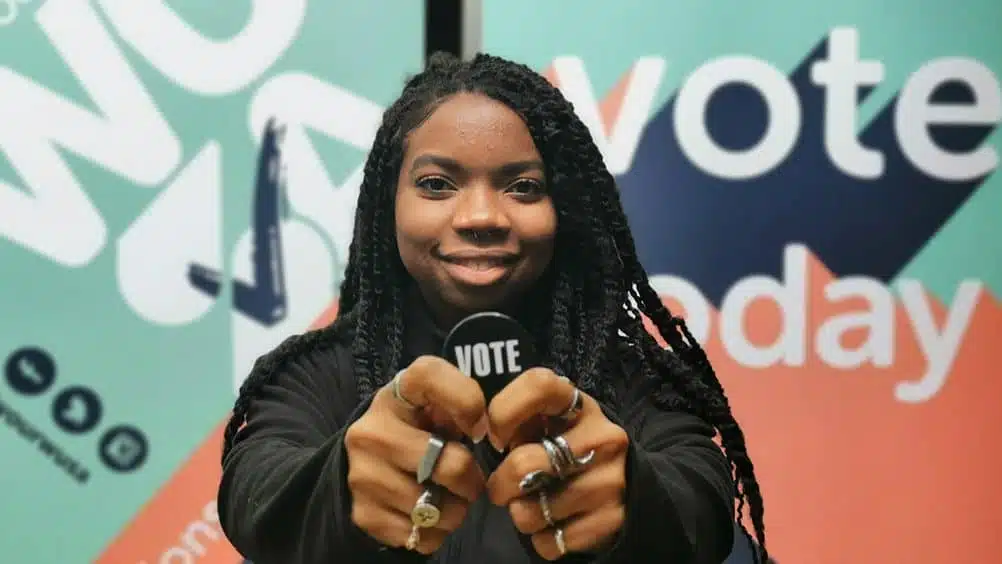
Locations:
{"points": [[542, 546], [431, 541], [352, 438], [362, 515], [617, 517], [612, 487], [523, 461], [523, 517], [472, 406], [454, 518], [454, 466], [356, 477], [423, 365], [617, 438], [450, 467], [360, 435], [542, 379]]}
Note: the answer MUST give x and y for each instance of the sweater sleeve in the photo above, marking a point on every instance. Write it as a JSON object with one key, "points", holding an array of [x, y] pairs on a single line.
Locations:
{"points": [[283, 495], [680, 490]]}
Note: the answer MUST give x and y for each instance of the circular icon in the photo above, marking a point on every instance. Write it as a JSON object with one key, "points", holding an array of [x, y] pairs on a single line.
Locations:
{"points": [[30, 371], [77, 409], [123, 448], [491, 347]]}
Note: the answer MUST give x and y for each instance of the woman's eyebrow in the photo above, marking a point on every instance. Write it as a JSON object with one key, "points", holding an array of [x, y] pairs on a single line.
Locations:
{"points": [[454, 166]]}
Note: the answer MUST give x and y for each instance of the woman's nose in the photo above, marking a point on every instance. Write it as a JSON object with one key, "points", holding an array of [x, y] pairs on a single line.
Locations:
{"points": [[480, 209]]}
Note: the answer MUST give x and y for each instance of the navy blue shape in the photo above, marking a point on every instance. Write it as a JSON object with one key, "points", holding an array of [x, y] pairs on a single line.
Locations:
{"points": [[264, 299], [713, 231]]}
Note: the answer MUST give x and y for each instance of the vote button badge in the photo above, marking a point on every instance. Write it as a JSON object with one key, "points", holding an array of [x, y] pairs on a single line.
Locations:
{"points": [[491, 348]]}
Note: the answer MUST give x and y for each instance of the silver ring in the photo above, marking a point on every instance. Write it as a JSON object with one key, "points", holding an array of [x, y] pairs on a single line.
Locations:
{"points": [[562, 458], [568, 454], [544, 505], [557, 461], [431, 455], [536, 480], [577, 403], [558, 536], [395, 387], [426, 512], [414, 538]]}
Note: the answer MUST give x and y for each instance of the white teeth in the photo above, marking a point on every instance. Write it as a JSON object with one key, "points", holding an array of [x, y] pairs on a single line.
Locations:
{"points": [[480, 264]]}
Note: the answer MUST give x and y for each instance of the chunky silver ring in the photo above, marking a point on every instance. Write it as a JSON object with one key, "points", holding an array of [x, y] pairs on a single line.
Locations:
{"points": [[536, 480], [557, 461], [430, 458], [395, 387], [414, 538], [544, 505], [426, 512], [558, 536], [568, 454]]}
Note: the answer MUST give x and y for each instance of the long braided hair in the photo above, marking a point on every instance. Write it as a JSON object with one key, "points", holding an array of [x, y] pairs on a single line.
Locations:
{"points": [[597, 291]]}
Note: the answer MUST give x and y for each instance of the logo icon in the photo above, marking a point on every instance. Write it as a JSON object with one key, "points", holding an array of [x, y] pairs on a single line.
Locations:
{"points": [[76, 409], [30, 371], [123, 448]]}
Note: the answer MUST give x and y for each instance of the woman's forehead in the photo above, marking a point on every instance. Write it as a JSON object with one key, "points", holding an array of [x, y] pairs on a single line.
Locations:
{"points": [[475, 131]]}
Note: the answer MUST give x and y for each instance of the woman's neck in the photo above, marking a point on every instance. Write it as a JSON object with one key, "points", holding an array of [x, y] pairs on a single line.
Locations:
{"points": [[444, 316]]}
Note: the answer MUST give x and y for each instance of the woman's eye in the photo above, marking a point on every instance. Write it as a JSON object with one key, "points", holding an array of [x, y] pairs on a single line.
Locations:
{"points": [[434, 185], [526, 187]]}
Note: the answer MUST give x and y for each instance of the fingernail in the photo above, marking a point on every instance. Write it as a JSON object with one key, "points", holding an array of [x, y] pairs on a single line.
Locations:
{"points": [[495, 442], [480, 430]]}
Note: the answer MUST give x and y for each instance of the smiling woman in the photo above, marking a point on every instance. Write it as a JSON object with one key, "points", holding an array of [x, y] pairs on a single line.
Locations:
{"points": [[475, 228], [484, 192]]}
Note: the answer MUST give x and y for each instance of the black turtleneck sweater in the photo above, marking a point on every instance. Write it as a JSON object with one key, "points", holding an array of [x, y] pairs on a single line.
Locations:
{"points": [[283, 498]]}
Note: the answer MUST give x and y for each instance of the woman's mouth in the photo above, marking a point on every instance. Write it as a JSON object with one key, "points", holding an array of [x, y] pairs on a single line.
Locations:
{"points": [[478, 269]]}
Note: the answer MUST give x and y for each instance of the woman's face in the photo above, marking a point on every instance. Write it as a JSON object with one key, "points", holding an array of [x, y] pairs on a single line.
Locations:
{"points": [[475, 224]]}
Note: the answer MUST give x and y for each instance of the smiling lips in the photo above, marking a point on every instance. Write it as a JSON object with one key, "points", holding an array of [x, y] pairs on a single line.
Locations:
{"points": [[478, 268]]}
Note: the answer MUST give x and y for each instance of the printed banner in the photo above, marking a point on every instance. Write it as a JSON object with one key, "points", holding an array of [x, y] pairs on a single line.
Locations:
{"points": [[816, 186], [146, 263]]}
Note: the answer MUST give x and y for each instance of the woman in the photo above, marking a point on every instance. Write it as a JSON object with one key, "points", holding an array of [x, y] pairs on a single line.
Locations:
{"points": [[355, 443]]}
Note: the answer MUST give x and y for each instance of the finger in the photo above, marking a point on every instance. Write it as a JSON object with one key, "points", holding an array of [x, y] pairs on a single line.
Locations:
{"points": [[596, 487], [535, 392], [457, 469], [396, 490], [527, 513], [388, 437], [442, 424], [391, 528], [583, 534], [531, 431], [432, 382], [427, 417], [403, 447], [592, 433]]}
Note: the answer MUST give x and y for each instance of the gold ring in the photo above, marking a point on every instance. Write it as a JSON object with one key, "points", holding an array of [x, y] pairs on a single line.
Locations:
{"points": [[426, 512], [414, 538]]}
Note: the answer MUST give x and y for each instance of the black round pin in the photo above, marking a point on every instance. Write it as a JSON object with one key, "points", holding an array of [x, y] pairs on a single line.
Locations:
{"points": [[491, 348]]}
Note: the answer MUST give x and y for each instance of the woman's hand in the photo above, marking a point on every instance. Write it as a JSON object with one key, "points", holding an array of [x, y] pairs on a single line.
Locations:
{"points": [[386, 445], [586, 509]]}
